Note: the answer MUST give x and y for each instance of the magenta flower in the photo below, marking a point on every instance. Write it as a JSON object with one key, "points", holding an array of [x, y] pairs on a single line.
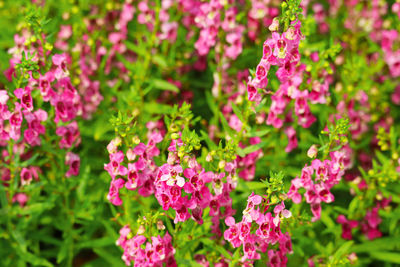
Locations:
{"points": [[113, 194], [171, 175], [26, 176], [70, 135], [115, 168], [21, 198], [347, 226], [25, 96], [60, 61], [73, 161]]}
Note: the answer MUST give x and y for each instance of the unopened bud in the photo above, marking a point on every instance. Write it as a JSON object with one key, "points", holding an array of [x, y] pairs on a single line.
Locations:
{"points": [[160, 225], [136, 140], [174, 136], [312, 152], [221, 164], [274, 25], [141, 229]]}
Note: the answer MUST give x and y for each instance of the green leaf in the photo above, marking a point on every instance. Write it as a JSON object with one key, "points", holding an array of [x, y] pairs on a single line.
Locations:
{"points": [[137, 49], [164, 85], [237, 112], [35, 260], [384, 243], [258, 133], [3, 196], [252, 148], [111, 259], [250, 185], [158, 108], [160, 61], [386, 256], [96, 243], [62, 254], [211, 145], [226, 126], [208, 242], [342, 251]]}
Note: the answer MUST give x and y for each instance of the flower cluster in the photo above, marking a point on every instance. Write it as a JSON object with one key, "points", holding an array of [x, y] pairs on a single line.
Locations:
{"points": [[156, 252], [140, 171], [369, 224], [260, 229], [190, 147], [170, 181], [44, 94], [209, 20], [317, 180]]}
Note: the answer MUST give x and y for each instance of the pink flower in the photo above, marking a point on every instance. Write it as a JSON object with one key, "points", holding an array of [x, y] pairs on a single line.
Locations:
{"points": [[261, 74], [25, 96], [70, 135], [3, 97], [26, 176], [115, 168], [113, 194], [347, 226], [74, 162], [291, 134], [60, 61], [252, 92], [285, 243], [31, 137], [182, 213], [45, 85], [276, 258], [21, 198], [312, 151], [316, 211], [235, 123], [170, 175], [293, 192], [232, 233], [250, 214]]}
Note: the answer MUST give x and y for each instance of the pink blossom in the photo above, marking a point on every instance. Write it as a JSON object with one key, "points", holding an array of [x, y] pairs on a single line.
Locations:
{"points": [[347, 226], [26, 176], [74, 162]]}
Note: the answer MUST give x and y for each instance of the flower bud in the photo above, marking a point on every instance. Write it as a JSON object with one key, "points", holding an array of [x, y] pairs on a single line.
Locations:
{"points": [[312, 152], [221, 164], [135, 140], [174, 136], [141, 229], [160, 225]]}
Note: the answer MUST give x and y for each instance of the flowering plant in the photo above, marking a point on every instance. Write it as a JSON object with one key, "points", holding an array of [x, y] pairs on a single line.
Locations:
{"points": [[190, 132]]}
